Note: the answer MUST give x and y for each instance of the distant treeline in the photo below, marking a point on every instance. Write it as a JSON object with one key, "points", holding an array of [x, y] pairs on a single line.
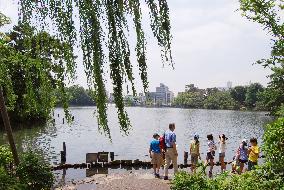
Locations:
{"points": [[78, 96], [240, 97]]}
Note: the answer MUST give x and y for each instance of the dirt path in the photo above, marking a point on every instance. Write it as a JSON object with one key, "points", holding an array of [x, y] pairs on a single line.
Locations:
{"points": [[133, 181]]}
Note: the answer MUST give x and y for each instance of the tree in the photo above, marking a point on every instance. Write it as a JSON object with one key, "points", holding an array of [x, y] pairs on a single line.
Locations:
{"points": [[220, 100], [238, 93], [96, 17], [252, 95], [269, 13], [30, 74]]}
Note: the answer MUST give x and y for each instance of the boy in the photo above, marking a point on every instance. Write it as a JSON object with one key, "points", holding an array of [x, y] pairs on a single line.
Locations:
{"points": [[155, 154], [253, 153]]}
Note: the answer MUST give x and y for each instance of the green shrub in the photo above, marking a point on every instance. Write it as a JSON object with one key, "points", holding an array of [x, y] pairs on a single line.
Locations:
{"points": [[253, 180], [6, 156], [184, 181], [8, 182], [273, 146], [34, 172]]}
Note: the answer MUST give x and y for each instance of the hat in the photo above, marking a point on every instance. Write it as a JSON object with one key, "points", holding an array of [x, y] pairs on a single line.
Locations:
{"points": [[245, 141], [155, 135]]}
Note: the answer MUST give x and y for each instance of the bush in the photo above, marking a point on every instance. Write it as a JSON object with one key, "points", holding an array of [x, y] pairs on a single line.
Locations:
{"points": [[34, 172], [6, 156], [273, 146], [253, 180], [8, 182]]}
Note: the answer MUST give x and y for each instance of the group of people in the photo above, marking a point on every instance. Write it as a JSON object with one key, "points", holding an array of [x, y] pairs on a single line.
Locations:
{"points": [[163, 151]]}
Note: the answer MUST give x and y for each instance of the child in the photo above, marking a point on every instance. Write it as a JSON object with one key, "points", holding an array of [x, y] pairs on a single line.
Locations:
{"points": [[242, 154], [210, 153], [155, 154], [194, 152], [253, 153], [222, 149]]}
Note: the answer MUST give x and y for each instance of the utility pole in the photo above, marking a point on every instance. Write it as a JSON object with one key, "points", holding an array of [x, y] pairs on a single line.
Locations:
{"points": [[8, 128]]}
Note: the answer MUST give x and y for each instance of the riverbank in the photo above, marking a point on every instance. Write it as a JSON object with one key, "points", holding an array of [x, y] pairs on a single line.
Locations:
{"points": [[137, 181]]}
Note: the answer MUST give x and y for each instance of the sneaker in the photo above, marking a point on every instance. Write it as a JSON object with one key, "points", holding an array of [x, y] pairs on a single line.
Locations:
{"points": [[157, 175], [166, 178]]}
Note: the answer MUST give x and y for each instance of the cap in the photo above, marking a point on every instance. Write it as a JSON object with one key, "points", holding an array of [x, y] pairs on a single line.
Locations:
{"points": [[244, 141]]}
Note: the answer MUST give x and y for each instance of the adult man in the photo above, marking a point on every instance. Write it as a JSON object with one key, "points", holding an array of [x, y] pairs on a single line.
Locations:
{"points": [[171, 150]]}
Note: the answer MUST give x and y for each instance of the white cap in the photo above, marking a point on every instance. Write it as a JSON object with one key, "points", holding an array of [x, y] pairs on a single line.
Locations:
{"points": [[245, 140]]}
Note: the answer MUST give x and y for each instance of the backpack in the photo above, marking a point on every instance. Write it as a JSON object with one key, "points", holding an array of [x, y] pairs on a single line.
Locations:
{"points": [[162, 142]]}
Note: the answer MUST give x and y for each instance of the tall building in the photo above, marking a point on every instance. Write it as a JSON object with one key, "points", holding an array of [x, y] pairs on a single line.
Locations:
{"points": [[162, 96], [229, 85]]}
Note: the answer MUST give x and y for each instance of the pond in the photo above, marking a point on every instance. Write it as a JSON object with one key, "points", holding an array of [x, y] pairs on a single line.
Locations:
{"points": [[83, 136]]}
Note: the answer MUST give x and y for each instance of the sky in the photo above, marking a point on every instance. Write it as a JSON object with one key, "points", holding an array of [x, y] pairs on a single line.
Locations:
{"points": [[212, 44]]}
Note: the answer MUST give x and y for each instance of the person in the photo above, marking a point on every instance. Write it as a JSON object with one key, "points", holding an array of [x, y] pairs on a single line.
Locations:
{"points": [[171, 150], [163, 147], [155, 154], [222, 150], [253, 153], [242, 154], [210, 153], [235, 165], [194, 152]]}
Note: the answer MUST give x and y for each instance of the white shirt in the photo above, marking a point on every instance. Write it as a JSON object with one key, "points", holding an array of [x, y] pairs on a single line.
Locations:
{"points": [[222, 147]]}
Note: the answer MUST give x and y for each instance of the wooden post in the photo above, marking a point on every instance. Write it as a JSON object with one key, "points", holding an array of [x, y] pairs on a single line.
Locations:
{"points": [[185, 156], [111, 156], [63, 153], [63, 120], [8, 128]]}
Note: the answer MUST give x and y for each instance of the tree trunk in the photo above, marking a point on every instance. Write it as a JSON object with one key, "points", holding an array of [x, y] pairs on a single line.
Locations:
{"points": [[8, 128]]}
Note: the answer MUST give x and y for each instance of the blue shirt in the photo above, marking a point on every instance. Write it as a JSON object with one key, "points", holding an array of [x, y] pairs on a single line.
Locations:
{"points": [[170, 138], [155, 146]]}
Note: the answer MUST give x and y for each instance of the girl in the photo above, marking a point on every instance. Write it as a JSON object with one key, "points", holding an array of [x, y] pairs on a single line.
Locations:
{"points": [[222, 149], [194, 152], [210, 153], [242, 154]]}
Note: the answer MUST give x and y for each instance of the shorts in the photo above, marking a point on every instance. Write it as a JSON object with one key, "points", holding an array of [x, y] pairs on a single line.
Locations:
{"points": [[156, 158], [194, 159], [222, 155], [242, 161], [251, 165], [210, 155]]}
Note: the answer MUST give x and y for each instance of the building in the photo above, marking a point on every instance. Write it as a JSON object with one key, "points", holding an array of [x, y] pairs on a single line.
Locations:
{"points": [[229, 85], [162, 96]]}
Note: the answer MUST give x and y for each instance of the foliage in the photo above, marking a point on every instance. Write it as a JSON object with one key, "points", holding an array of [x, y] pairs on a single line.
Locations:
{"points": [[252, 94], [220, 100], [8, 182], [4, 20], [104, 29], [190, 99], [29, 72], [34, 172], [6, 156], [212, 98], [78, 96], [256, 179], [238, 93], [269, 13], [273, 147]]}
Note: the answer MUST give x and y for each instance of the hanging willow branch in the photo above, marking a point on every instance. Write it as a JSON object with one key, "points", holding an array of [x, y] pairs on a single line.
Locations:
{"points": [[103, 29]]}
